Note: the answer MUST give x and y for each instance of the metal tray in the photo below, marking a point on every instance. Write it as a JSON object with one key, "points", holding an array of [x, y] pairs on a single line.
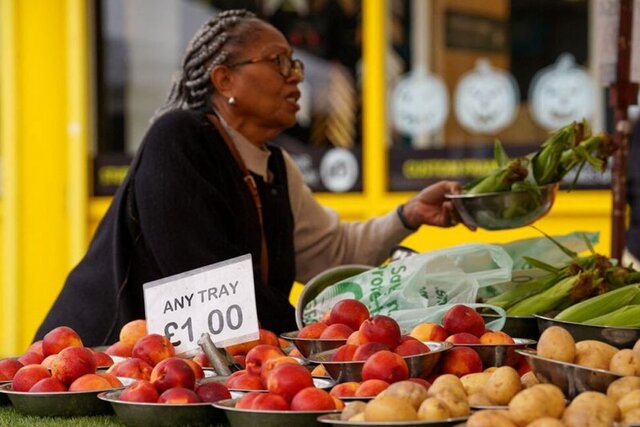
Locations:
{"points": [[499, 354], [420, 365], [264, 418], [60, 404], [517, 326], [613, 335], [309, 346], [571, 378], [334, 420], [135, 414]]}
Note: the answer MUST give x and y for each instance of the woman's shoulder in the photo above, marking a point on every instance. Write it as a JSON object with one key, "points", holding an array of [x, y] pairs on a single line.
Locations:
{"points": [[180, 118]]}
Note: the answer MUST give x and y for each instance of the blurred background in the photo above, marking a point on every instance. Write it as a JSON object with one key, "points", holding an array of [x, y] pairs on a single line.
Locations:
{"points": [[398, 94]]}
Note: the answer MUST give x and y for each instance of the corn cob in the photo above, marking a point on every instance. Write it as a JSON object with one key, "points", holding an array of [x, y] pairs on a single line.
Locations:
{"points": [[499, 179], [546, 300], [546, 163], [600, 305], [628, 316], [523, 291]]}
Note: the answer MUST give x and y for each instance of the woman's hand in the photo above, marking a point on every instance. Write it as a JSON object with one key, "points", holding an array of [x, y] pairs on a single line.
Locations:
{"points": [[430, 206]]}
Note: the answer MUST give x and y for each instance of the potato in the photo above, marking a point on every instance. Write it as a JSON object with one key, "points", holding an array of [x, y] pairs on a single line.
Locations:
{"points": [[625, 362], [480, 399], [352, 409], [389, 408], [458, 406], [594, 354], [629, 402], [541, 400], [503, 384], [358, 417], [600, 402], [475, 383], [631, 418], [546, 422], [636, 346], [490, 418], [529, 380], [622, 386], [583, 414], [447, 382], [433, 409], [413, 393], [557, 344]]}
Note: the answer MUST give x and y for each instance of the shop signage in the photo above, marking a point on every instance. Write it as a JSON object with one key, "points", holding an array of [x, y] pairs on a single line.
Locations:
{"points": [[218, 299]]}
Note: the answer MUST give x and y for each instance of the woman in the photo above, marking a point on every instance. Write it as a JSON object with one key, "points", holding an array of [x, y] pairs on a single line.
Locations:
{"points": [[189, 199]]}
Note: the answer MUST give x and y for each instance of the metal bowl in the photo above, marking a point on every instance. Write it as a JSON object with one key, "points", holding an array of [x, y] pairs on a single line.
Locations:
{"points": [[322, 281], [334, 420], [263, 418], [59, 404], [616, 336], [504, 210], [420, 365], [571, 378], [135, 414], [4, 400], [321, 383], [309, 346], [499, 354], [517, 326]]}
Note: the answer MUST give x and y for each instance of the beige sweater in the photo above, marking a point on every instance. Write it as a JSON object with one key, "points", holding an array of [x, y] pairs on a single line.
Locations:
{"points": [[321, 240]]}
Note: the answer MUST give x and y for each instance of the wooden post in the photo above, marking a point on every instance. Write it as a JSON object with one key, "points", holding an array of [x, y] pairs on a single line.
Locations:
{"points": [[622, 93]]}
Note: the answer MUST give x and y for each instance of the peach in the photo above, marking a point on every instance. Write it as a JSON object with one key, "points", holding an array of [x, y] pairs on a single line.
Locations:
{"points": [[36, 347], [381, 329], [90, 382], [111, 379], [270, 401], [212, 391], [268, 366], [27, 376], [355, 339], [197, 369], [319, 371], [496, 337], [287, 379], [241, 360], [246, 401], [284, 344], [411, 347], [48, 385], [344, 353], [424, 383], [461, 361], [269, 338], [179, 395], [140, 391], [371, 387], [260, 354], [31, 358], [266, 337], [463, 338], [338, 402], [347, 389], [153, 348], [429, 331], [245, 381], [132, 368], [72, 363], [48, 361], [58, 339], [365, 350], [522, 366], [385, 365], [132, 331], [350, 312], [461, 318], [312, 330], [103, 360], [119, 349], [8, 368], [201, 359], [173, 373], [336, 331], [312, 399], [325, 317]]}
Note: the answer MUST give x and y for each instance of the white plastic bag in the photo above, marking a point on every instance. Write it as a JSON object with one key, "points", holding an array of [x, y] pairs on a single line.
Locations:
{"points": [[418, 288]]}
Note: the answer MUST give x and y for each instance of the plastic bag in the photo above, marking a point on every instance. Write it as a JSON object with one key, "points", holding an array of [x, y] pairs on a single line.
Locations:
{"points": [[418, 288]]}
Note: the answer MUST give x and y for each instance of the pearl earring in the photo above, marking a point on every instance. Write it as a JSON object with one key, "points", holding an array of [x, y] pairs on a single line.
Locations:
{"points": [[231, 101]]}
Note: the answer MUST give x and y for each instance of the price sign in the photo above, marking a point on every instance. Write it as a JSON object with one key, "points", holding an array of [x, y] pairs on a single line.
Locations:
{"points": [[218, 299]]}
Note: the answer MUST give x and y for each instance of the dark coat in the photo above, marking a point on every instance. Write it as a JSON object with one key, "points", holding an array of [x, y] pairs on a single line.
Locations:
{"points": [[183, 205]]}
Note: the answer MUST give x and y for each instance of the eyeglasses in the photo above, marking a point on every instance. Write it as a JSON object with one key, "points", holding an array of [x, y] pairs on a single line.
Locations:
{"points": [[285, 63]]}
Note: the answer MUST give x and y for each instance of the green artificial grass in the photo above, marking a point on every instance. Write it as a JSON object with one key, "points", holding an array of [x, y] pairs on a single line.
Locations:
{"points": [[9, 417]]}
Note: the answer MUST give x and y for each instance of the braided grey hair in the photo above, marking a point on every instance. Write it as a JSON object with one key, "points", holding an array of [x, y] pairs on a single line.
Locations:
{"points": [[192, 87]]}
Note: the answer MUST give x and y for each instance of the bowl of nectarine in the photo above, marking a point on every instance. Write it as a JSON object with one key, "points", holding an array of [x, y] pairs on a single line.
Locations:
{"points": [[144, 414], [57, 404], [309, 346], [269, 415], [381, 364]]}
